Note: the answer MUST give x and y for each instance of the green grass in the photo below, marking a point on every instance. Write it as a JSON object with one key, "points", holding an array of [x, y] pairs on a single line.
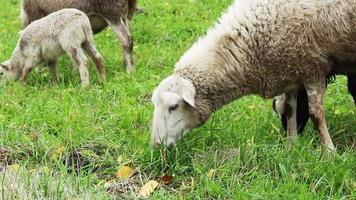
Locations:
{"points": [[42, 126]]}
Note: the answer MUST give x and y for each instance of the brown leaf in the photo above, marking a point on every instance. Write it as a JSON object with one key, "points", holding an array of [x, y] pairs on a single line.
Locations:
{"points": [[165, 180]]}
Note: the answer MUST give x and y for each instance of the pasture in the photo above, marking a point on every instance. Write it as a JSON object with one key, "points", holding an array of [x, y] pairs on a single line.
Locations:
{"points": [[67, 142]]}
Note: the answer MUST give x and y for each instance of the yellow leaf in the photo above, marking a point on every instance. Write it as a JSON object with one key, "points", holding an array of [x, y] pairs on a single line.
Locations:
{"points": [[124, 172], [14, 168], [148, 188], [211, 173]]}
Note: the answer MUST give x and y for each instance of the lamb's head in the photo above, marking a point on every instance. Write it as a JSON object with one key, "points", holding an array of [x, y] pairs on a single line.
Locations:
{"points": [[175, 111], [7, 72]]}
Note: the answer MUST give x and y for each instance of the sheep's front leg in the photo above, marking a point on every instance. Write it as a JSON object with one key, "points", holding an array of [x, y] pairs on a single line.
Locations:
{"points": [[53, 69], [78, 57], [315, 98], [291, 115], [26, 71], [123, 33]]}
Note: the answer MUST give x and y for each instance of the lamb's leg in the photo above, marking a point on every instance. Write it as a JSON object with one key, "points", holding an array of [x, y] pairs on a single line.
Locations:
{"points": [[26, 71], [123, 33], [78, 57], [24, 18], [291, 115], [53, 69], [97, 59], [315, 98]]}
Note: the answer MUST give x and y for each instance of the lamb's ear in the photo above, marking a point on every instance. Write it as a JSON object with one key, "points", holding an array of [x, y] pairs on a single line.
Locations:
{"points": [[20, 32], [189, 93], [4, 66]]}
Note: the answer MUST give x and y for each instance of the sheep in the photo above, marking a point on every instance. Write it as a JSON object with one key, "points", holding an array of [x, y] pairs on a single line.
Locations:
{"points": [[115, 13], [43, 41], [260, 47]]}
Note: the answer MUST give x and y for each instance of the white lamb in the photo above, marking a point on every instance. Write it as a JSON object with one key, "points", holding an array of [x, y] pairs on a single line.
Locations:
{"points": [[263, 47], [43, 41]]}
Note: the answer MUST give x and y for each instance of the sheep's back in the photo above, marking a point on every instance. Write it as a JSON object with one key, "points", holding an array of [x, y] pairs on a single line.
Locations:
{"points": [[48, 33]]}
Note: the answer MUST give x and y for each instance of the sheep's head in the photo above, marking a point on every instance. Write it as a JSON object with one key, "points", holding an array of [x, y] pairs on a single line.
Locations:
{"points": [[175, 112], [6, 72]]}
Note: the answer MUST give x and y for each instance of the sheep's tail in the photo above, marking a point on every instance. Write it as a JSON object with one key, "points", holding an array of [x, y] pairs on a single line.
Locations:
{"points": [[132, 8], [88, 33]]}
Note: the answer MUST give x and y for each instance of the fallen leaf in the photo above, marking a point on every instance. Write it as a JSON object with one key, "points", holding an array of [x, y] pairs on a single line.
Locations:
{"points": [[15, 168], [211, 173], [164, 180], [125, 172], [148, 188]]}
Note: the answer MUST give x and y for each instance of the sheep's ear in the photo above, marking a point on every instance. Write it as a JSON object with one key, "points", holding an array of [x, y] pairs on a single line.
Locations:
{"points": [[20, 32], [155, 96], [4, 66], [189, 94]]}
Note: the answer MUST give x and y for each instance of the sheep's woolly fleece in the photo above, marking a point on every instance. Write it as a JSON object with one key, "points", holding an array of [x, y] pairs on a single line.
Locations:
{"points": [[262, 46]]}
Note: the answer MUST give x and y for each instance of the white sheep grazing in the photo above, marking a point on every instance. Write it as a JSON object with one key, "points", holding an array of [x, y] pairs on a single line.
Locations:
{"points": [[262, 47], [43, 41]]}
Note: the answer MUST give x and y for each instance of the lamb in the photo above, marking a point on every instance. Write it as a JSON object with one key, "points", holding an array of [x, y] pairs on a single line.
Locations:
{"points": [[115, 13], [261, 47], [43, 41]]}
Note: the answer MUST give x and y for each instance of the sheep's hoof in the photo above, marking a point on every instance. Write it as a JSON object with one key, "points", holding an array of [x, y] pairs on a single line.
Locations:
{"points": [[54, 81], [330, 148], [102, 77], [329, 153], [129, 70], [292, 140], [85, 85]]}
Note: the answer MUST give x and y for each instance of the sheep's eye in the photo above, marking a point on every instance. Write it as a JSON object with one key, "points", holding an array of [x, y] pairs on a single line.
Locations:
{"points": [[173, 107]]}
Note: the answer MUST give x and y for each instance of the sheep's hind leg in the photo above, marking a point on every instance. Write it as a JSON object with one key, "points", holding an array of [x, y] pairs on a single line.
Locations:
{"points": [[291, 115], [78, 57], [53, 69], [123, 33], [351, 82], [315, 98], [97, 59]]}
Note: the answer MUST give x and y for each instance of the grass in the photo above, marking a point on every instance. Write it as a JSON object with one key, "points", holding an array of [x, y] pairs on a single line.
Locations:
{"points": [[48, 131]]}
